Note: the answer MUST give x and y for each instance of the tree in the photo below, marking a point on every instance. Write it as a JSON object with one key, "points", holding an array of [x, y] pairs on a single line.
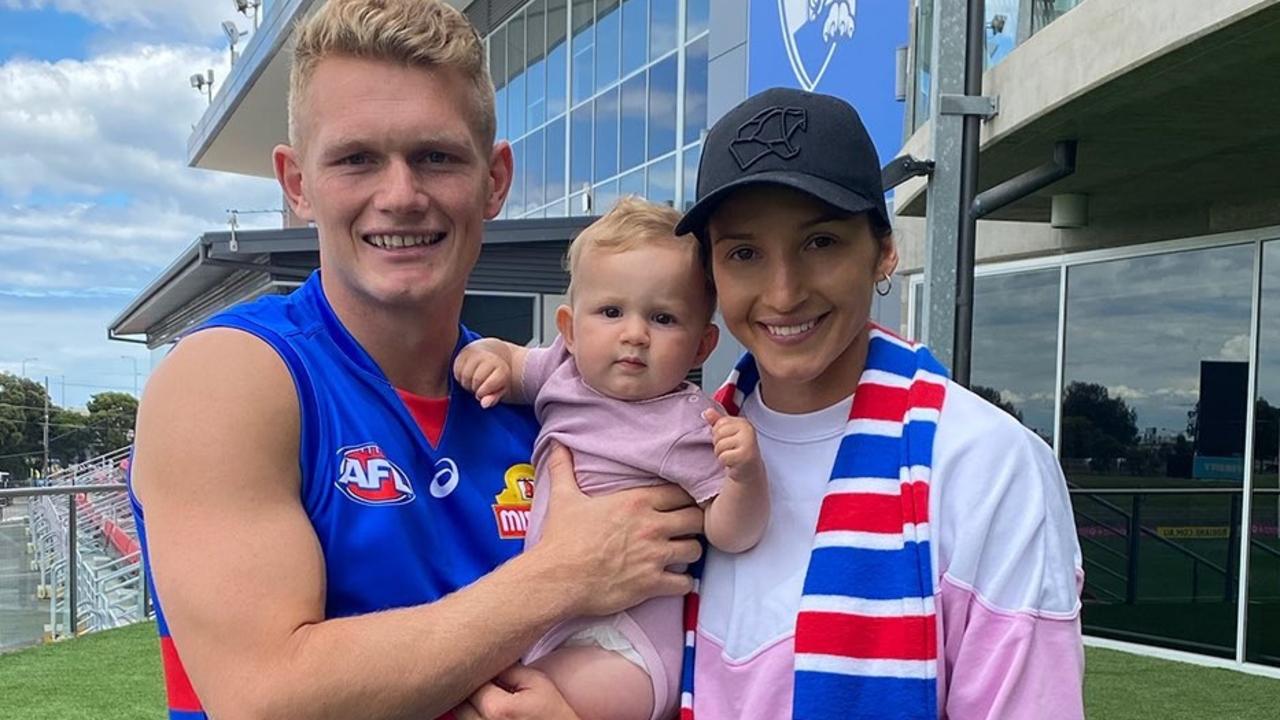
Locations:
{"points": [[1096, 426], [1266, 441], [22, 404], [111, 419], [993, 396], [70, 439]]}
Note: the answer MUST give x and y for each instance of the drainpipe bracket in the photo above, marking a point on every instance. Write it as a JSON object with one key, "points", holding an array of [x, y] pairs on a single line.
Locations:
{"points": [[980, 105]]}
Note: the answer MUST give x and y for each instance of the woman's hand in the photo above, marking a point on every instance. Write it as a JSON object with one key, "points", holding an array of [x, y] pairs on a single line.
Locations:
{"points": [[519, 693]]}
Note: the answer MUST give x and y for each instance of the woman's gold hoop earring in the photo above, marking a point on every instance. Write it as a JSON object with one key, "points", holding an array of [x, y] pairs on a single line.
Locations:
{"points": [[888, 285]]}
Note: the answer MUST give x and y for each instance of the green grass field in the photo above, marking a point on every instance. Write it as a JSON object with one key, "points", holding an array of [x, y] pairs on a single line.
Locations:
{"points": [[116, 676]]}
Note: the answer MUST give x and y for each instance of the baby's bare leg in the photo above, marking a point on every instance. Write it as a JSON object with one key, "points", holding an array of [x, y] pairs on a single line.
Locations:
{"points": [[599, 684]]}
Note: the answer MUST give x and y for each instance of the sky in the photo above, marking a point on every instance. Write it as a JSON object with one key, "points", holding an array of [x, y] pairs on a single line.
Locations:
{"points": [[96, 198]]}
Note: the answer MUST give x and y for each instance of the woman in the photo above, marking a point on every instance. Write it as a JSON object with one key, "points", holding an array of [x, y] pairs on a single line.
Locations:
{"points": [[943, 576], [920, 570]]}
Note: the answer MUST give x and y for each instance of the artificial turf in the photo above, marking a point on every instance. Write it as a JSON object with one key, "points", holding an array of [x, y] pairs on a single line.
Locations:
{"points": [[115, 675]]}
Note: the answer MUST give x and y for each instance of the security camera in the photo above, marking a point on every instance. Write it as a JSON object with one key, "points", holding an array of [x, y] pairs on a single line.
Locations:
{"points": [[197, 81]]}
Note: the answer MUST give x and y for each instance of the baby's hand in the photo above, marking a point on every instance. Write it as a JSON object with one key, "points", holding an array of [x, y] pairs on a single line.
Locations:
{"points": [[735, 443], [483, 373]]}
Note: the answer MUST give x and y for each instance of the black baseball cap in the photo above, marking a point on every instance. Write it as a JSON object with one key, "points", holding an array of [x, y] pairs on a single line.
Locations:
{"points": [[812, 142]]}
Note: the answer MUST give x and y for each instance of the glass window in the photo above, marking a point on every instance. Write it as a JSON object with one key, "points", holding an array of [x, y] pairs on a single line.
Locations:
{"points": [[606, 150], [662, 108], [583, 55], [554, 158], [1262, 645], [576, 202], [923, 60], [536, 96], [515, 200], [608, 27], [691, 157], [533, 177], [1001, 29], [501, 316], [1155, 386], [663, 28], [635, 35], [633, 117], [535, 49], [604, 197], [500, 109], [662, 182], [695, 91], [516, 105], [516, 101], [631, 184], [580, 149], [557, 54], [498, 69], [1017, 311], [695, 21]]}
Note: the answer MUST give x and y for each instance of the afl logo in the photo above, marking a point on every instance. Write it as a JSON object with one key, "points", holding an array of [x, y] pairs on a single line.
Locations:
{"points": [[368, 477]]}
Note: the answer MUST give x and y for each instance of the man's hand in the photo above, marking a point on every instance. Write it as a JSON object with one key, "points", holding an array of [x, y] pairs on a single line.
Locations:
{"points": [[519, 693], [736, 446], [613, 552], [483, 372]]}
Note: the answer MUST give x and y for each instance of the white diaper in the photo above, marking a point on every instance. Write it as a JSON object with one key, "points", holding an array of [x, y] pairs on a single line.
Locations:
{"points": [[606, 637]]}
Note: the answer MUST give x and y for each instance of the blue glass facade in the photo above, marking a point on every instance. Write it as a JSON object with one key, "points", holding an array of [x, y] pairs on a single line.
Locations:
{"points": [[599, 99]]}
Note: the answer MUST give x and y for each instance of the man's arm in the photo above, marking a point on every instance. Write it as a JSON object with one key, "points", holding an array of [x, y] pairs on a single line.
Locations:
{"points": [[241, 575]]}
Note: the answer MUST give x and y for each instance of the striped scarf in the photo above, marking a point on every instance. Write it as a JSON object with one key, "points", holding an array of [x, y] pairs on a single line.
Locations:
{"points": [[866, 636]]}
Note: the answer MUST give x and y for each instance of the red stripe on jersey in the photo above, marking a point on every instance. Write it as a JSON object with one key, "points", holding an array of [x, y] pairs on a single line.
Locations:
{"points": [[182, 697]]}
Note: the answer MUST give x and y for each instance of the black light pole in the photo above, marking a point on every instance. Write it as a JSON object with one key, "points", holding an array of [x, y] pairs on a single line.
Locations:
{"points": [[975, 28]]}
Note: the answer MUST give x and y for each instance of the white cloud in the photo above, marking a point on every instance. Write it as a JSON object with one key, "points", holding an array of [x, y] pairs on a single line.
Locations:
{"points": [[187, 19], [72, 132], [95, 195], [1126, 393], [1235, 347]]}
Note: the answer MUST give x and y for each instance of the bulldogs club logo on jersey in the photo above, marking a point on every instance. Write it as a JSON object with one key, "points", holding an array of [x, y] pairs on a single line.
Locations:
{"points": [[513, 504], [369, 477]]}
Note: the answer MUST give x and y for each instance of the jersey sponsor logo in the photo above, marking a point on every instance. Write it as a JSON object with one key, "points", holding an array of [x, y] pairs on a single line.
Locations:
{"points": [[369, 477], [513, 504]]}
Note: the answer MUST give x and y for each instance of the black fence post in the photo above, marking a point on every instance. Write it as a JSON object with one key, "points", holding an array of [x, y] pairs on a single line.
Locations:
{"points": [[1135, 534]]}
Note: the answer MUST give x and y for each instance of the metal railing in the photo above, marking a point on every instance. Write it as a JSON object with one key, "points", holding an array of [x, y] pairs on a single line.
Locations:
{"points": [[1134, 530], [85, 548]]}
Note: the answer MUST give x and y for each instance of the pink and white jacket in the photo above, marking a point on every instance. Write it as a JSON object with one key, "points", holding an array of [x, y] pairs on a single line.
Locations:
{"points": [[1006, 563]]}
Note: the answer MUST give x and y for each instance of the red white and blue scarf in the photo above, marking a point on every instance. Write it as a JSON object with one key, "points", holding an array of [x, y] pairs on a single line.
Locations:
{"points": [[866, 634]]}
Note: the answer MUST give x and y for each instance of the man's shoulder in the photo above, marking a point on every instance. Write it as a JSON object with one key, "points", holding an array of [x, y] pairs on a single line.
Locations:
{"points": [[220, 363]]}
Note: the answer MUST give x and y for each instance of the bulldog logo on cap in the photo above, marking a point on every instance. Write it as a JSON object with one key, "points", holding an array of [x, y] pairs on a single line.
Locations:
{"points": [[769, 132]]}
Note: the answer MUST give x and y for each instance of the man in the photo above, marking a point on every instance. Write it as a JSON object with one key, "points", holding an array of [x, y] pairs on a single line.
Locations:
{"points": [[316, 504]]}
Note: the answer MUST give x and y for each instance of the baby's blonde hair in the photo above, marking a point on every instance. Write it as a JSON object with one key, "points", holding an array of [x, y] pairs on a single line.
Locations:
{"points": [[416, 33], [632, 223]]}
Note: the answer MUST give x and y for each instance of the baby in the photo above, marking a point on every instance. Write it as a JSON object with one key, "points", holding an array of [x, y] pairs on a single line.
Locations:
{"points": [[611, 389]]}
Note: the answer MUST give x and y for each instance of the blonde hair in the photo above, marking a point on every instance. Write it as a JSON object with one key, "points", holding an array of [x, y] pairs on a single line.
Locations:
{"points": [[416, 33], [633, 222]]}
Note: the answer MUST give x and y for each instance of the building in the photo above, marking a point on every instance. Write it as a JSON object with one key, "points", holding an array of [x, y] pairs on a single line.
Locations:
{"points": [[1141, 291], [1145, 303], [599, 98]]}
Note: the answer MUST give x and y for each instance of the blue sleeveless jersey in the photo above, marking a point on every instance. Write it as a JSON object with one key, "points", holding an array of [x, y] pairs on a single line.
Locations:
{"points": [[400, 523]]}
